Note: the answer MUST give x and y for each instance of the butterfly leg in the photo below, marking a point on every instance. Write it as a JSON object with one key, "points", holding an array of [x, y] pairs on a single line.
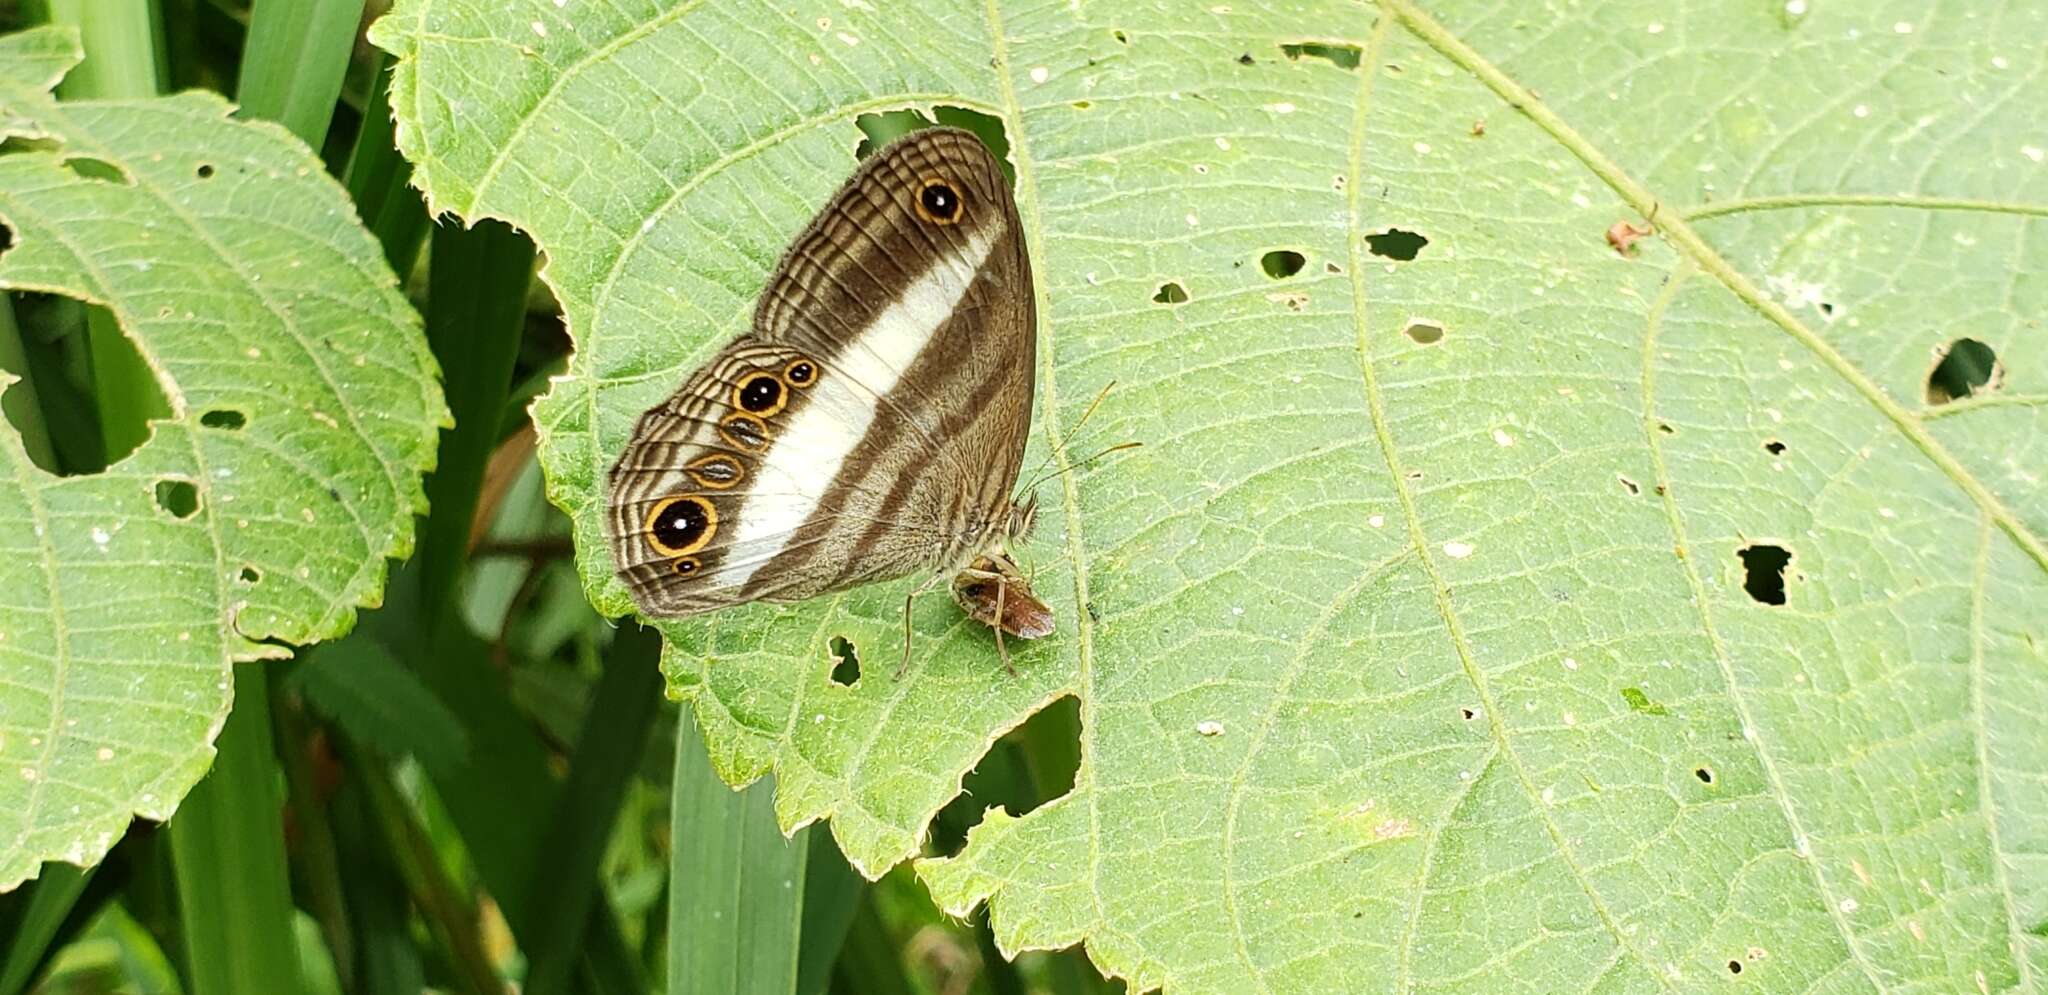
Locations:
{"points": [[1001, 649], [904, 667]]}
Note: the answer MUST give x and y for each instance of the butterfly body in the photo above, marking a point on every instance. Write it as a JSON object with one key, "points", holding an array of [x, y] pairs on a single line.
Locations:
{"points": [[870, 424]]}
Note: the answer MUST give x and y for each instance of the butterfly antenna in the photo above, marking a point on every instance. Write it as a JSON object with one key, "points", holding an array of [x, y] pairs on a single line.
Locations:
{"points": [[1077, 464], [1075, 430]]}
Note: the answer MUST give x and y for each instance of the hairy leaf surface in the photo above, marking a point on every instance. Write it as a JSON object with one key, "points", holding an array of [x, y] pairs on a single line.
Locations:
{"points": [[1547, 568]]}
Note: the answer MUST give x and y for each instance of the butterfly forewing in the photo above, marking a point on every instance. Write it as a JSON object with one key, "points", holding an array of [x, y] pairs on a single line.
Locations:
{"points": [[870, 424]]}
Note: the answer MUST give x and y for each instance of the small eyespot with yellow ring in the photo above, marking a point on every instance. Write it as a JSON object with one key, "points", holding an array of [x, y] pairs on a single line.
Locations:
{"points": [[744, 432], [760, 393], [685, 566], [938, 201], [717, 471], [800, 373], [679, 526]]}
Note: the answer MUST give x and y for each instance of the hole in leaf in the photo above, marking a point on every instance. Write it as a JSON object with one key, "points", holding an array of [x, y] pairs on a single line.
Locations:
{"points": [[1706, 776], [1120, 37], [1630, 486], [1734, 967], [178, 497], [1396, 244], [1962, 368], [1774, 447], [1468, 713], [1827, 310], [205, 171], [251, 575], [1339, 55], [6, 239], [97, 169], [1665, 427], [1082, 105], [1282, 263], [1170, 293], [224, 418], [846, 668], [1764, 572], [73, 352], [1423, 331], [1029, 766], [1332, 268], [1245, 59], [880, 128]]}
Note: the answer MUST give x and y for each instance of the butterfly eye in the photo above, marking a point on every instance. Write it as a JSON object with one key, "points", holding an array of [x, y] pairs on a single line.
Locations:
{"points": [[679, 526], [759, 394], [938, 202], [800, 373]]}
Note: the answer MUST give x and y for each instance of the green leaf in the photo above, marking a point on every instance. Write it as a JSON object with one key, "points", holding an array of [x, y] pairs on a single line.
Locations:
{"points": [[1350, 634], [260, 513], [365, 690]]}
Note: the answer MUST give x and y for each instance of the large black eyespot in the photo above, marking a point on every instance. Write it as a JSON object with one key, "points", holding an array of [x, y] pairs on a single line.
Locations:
{"points": [[938, 202], [681, 525], [758, 393], [800, 373]]}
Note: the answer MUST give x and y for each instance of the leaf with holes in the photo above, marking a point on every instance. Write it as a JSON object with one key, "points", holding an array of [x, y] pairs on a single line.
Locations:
{"points": [[1417, 648], [303, 410]]}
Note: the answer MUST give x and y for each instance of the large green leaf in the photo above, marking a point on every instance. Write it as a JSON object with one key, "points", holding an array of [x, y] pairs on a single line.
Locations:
{"points": [[1413, 650], [304, 408]]}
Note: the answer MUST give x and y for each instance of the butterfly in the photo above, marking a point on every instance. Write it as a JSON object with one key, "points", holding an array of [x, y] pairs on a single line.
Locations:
{"points": [[869, 425]]}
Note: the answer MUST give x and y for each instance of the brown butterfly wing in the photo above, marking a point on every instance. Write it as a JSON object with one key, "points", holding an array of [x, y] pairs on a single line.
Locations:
{"points": [[909, 299]]}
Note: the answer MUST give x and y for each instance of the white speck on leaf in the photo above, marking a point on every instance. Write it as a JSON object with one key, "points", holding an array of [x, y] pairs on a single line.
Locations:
{"points": [[1502, 438], [1656, 28], [1422, 148], [1457, 550], [1571, 663], [1040, 74], [1376, 521], [1223, 143], [540, 29], [1860, 110], [2032, 152], [1903, 27], [850, 40], [1209, 727], [100, 538]]}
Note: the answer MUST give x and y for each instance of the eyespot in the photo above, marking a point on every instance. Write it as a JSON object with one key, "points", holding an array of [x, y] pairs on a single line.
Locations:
{"points": [[800, 373], [717, 471], [679, 526], [744, 432], [685, 566], [938, 202], [759, 394]]}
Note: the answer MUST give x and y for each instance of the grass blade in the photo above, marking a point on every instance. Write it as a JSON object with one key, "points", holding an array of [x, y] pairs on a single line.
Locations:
{"points": [[227, 843], [736, 886], [379, 181], [51, 897], [607, 751], [294, 60]]}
